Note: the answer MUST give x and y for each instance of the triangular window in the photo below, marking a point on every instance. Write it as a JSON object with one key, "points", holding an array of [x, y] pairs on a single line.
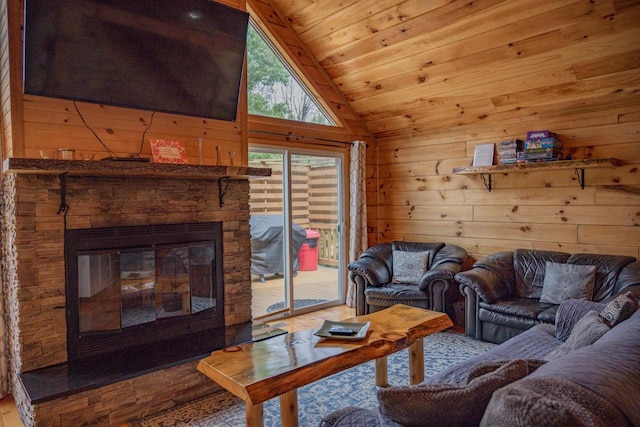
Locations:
{"points": [[274, 89]]}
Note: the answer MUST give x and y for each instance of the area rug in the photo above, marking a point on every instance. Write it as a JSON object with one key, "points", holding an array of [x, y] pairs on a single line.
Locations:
{"points": [[298, 303], [353, 387]]}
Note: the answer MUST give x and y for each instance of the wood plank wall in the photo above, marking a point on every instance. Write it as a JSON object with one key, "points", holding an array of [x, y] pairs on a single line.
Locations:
{"points": [[33, 123], [588, 94], [431, 79]]}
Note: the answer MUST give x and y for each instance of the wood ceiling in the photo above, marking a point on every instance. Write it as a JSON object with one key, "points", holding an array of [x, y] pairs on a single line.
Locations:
{"points": [[482, 68]]}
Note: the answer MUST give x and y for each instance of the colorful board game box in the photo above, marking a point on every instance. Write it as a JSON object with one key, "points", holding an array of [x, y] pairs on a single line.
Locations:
{"points": [[539, 134]]}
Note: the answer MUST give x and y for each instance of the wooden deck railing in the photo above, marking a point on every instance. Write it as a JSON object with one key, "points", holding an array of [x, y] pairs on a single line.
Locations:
{"points": [[328, 246], [314, 203]]}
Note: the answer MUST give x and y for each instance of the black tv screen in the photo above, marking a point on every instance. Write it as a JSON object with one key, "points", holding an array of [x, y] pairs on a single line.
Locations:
{"points": [[175, 56]]}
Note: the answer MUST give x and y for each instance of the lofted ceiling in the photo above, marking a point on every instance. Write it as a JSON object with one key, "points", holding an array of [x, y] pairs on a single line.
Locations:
{"points": [[475, 68]]}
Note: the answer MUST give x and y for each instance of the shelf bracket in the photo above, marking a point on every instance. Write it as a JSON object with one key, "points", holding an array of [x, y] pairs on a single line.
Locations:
{"points": [[487, 181], [580, 174], [64, 207], [223, 188]]}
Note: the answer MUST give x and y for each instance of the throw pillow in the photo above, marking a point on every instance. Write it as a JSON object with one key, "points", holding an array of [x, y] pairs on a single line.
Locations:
{"points": [[564, 281], [409, 267], [589, 329], [483, 368], [448, 404], [569, 312], [619, 309]]}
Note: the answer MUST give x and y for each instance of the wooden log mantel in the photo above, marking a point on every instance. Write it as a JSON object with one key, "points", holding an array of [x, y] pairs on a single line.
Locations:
{"points": [[128, 168]]}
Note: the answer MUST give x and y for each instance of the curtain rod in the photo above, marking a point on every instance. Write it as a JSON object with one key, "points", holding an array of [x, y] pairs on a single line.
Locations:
{"points": [[288, 135]]}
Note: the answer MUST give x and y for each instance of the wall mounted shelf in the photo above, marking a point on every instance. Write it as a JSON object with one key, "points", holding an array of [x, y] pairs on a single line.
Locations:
{"points": [[578, 166]]}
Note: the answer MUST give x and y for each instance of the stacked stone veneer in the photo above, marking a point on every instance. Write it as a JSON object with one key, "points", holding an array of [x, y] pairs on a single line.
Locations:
{"points": [[34, 282]]}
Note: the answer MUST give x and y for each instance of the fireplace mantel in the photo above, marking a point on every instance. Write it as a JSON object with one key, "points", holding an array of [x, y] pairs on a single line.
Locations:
{"points": [[110, 168]]}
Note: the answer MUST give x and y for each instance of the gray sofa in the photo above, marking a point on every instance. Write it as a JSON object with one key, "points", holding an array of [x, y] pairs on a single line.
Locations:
{"points": [[504, 292], [380, 283], [547, 376]]}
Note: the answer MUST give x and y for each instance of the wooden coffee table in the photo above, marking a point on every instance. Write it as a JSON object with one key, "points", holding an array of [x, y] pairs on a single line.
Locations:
{"points": [[278, 366]]}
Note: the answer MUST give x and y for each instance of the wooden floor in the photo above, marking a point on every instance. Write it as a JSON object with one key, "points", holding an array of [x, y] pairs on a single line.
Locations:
{"points": [[9, 413]]}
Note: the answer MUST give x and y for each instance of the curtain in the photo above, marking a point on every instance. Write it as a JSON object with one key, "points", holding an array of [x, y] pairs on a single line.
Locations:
{"points": [[357, 209], [4, 351]]}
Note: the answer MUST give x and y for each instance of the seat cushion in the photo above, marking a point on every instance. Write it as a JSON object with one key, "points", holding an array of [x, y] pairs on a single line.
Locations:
{"points": [[520, 307], [492, 318], [395, 291], [548, 315], [534, 343]]}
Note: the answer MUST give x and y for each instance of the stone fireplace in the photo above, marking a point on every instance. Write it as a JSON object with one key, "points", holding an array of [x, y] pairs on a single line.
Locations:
{"points": [[46, 199]]}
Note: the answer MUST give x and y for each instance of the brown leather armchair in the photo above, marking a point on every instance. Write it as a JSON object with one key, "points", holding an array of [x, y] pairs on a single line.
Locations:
{"points": [[436, 290]]}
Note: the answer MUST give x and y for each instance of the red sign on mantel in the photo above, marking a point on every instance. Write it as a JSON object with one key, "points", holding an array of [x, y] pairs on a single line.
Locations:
{"points": [[164, 151]]}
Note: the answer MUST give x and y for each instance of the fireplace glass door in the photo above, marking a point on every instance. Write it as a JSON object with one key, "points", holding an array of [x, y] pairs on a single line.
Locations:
{"points": [[120, 289], [136, 285]]}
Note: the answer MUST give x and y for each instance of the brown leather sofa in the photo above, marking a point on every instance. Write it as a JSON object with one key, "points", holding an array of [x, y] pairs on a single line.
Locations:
{"points": [[373, 274], [502, 291]]}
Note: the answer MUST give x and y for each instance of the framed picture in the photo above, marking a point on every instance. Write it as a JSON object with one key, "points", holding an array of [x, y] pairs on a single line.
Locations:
{"points": [[164, 151]]}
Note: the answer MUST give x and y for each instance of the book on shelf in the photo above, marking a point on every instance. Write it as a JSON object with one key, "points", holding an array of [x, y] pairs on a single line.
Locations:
{"points": [[483, 155]]}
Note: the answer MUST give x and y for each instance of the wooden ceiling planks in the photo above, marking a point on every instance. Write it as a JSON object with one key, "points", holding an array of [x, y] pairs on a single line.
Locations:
{"points": [[412, 68]]}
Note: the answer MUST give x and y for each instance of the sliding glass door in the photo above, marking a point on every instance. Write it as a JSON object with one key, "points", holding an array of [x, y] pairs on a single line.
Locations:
{"points": [[296, 239]]}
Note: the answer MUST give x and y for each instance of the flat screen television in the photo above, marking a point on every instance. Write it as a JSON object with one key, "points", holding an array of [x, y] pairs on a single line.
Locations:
{"points": [[174, 56]]}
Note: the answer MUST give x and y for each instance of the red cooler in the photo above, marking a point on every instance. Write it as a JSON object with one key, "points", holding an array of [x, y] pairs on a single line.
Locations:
{"points": [[308, 254]]}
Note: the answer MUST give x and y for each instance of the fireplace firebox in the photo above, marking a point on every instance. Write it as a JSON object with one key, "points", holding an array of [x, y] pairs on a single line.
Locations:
{"points": [[134, 288]]}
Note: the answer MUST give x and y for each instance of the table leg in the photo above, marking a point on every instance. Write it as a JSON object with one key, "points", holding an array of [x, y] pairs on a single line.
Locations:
{"points": [[254, 415], [289, 408], [381, 372], [416, 362]]}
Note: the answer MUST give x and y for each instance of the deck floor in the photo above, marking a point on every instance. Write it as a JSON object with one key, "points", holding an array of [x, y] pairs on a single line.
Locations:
{"points": [[320, 284]]}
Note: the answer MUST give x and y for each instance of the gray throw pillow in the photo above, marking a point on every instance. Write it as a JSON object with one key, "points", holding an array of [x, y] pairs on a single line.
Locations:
{"points": [[483, 368], [589, 329], [619, 309], [448, 404], [564, 281], [409, 267]]}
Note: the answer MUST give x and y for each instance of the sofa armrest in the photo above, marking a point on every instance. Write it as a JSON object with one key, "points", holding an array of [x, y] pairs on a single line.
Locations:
{"points": [[443, 272], [372, 271], [486, 284], [491, 278], [360, 299], [436, 282]]}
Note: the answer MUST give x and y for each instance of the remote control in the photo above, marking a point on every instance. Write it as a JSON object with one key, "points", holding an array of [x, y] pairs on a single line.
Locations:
{"points": [[340, 330]]}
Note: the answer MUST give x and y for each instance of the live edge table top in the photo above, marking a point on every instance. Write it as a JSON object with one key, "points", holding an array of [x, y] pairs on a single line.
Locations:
{"points": [[259, 371]]}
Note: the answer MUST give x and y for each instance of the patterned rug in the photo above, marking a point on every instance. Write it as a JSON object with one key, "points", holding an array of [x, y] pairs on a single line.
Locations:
{"points": [[353, 387]]}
